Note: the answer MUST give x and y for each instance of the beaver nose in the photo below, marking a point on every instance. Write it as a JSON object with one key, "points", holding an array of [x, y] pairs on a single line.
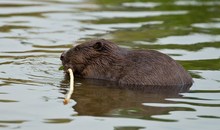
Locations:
{"points": [[62, 56]]}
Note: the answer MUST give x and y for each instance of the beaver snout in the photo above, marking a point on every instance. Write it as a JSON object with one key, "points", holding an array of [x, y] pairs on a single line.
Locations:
{"points": [[62, 56], [65, 61]]}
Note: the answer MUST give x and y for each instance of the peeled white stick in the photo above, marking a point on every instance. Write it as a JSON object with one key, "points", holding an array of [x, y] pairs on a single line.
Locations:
{"points": [[68, 96]]}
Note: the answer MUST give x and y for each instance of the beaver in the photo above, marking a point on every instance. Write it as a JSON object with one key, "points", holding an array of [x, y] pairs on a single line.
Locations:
{"points": [[104, 60]]}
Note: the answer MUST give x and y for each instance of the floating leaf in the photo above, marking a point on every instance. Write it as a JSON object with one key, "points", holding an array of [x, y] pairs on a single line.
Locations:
{"points": [[61, 68]]}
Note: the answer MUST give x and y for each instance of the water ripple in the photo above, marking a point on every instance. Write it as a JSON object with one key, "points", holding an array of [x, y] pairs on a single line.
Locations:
{"points": [[142, 4], [189, 39], [136, 14]]}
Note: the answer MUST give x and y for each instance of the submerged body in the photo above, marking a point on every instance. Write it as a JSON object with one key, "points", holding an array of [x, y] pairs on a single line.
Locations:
{"points": [[102, 59]]}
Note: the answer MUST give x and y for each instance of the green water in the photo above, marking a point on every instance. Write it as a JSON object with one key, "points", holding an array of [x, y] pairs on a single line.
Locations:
{"points": [[33, 34]]}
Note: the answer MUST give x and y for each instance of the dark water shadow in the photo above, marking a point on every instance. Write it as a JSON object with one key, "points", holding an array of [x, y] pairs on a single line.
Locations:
{"points": [[103, 98]]}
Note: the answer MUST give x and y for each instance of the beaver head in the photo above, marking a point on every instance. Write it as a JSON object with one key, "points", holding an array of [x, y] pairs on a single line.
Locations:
{"points": [[91, 59]]}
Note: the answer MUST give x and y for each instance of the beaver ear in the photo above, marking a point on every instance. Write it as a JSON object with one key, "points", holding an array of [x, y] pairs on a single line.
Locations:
{"points": [[98, 46]]}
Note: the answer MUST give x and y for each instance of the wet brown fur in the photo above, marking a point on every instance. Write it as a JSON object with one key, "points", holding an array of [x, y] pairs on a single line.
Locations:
{"points": [[102, 59]]}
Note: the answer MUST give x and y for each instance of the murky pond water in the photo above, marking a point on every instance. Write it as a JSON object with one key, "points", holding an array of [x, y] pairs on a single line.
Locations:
{"points": [[33, 33]]}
